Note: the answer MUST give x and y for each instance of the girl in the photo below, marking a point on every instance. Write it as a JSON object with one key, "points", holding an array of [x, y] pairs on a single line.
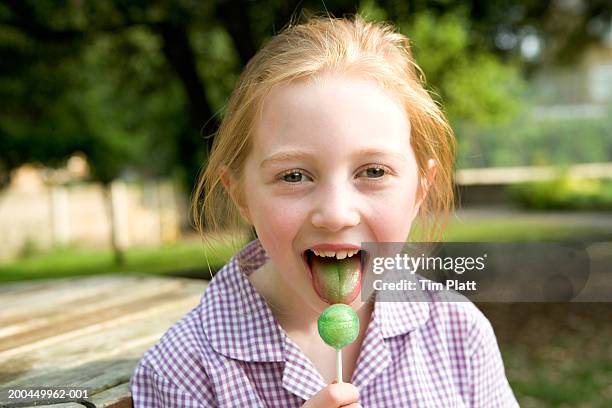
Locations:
{"points": [[329, 140]]}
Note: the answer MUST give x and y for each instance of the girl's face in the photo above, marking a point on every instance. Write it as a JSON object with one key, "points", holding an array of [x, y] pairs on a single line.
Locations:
{"points": [[331, 163]]}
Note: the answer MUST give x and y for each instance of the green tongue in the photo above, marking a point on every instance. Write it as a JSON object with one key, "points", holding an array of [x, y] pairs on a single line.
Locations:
{"points": [[336, 280]]}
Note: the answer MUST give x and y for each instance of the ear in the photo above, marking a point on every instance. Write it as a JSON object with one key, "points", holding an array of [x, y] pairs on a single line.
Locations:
{"points": [[425, 183], [232, 188]]}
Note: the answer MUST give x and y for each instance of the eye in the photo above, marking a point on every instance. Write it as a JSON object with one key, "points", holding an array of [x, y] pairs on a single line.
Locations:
{"points": [[374, 172], [293, 176]]}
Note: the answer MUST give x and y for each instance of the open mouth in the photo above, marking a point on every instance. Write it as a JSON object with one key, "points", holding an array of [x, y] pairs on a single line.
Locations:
{"points": [[336, 275]]}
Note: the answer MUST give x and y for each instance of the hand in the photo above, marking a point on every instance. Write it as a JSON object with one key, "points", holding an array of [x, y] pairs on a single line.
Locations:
{"points": [[344, 395]]}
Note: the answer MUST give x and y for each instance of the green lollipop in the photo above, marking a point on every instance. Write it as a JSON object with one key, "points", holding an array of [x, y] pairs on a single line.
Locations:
{"points": [[338, 326]]}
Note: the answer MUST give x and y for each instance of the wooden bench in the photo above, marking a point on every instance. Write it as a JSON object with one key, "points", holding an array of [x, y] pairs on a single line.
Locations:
{"points": [[86, 332]]}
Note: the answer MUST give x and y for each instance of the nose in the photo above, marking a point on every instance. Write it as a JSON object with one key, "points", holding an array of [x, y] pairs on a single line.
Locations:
{"points": [[335, 209]]}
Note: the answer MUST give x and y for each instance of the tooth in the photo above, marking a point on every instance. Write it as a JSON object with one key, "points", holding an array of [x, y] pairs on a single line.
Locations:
{"points": [[329, 253], [341, 254], [315, 252]]}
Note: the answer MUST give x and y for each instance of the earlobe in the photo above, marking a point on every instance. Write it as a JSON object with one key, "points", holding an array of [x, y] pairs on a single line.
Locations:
{"points": [[431, 171], [232, 188], [225, 179], [425, 184]]}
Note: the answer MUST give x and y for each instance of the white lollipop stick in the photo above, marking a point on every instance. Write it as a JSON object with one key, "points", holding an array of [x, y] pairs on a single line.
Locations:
{"points": [[339, 365]]}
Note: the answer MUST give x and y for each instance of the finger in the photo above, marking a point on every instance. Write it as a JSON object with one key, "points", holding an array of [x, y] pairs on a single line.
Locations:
{"points": [[339, 394], [334, 395]]}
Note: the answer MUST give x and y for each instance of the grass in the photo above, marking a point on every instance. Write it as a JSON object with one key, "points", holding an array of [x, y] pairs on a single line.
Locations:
{"points": [[556, 355], [522, 230], [190, 257], [582, 384]]}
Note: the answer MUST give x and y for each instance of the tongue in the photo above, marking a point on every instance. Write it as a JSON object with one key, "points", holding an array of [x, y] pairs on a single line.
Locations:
{"points": [[336, 280]]}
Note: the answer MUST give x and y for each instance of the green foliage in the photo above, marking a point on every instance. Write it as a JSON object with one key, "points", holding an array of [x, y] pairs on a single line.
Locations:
{"points": [[371, 11], [472, 84], [564, 193], [86, 77], [131, 116], [96, 77], [106, 99], [218, 63]]}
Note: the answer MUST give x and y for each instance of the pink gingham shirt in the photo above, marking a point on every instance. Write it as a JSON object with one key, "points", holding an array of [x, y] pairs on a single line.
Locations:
{"points": [[230, 352]]}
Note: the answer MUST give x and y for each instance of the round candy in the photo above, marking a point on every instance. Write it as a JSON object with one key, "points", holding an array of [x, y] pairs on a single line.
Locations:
{"points": [[338, 325]]}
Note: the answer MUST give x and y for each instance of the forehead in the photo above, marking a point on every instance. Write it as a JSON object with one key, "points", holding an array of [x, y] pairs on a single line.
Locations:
{"points": [[331, 111]]}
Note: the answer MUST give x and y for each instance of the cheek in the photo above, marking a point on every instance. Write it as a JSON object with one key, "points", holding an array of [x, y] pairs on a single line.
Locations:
{"points": [[277, 220], [393, 216]]}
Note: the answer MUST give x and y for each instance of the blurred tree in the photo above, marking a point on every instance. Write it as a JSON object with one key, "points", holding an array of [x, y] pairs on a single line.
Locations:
{"points": [[565, 28], [474, 85], [71, 92], [37, 39], [138, 84]]}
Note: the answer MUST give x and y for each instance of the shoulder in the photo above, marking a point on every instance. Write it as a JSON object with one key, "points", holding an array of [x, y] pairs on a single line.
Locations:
{"points": [[183, 344], [437, 315], [465, 337], [475, 355], [183, 348], [186, 344], [462, 315], [175, 368], [462, 323]]}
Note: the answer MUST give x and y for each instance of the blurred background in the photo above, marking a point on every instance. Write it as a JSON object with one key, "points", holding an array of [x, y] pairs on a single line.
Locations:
{"points": [[109, 107]]}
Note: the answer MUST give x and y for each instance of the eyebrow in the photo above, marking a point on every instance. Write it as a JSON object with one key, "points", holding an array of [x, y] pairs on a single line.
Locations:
{"points": [[294, 155]]}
